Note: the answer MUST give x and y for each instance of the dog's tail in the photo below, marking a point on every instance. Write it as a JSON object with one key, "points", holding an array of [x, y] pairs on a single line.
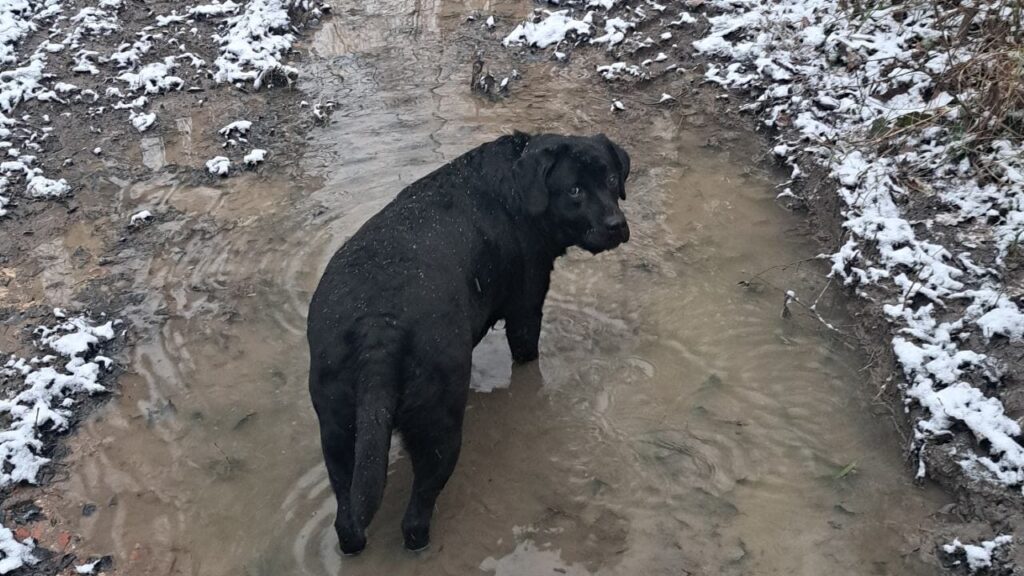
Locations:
{"points": [[376, 399]]}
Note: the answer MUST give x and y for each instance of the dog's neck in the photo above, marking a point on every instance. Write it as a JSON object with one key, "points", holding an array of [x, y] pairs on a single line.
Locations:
{"points": [[551, 246], [501, 194]]}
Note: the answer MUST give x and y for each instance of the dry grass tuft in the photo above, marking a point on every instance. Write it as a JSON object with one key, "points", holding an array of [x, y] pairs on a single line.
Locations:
{"points": [[990, 81], [984, 43]]}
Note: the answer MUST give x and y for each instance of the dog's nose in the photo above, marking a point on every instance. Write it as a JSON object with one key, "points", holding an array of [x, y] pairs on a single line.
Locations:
{"points": [[617, 227]]}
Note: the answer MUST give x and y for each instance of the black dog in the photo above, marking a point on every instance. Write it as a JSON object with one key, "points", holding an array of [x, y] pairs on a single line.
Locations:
{"points": [[393, 323]]}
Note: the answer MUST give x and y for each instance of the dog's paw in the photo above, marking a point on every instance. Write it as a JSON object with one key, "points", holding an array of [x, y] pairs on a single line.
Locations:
{"points": [[423, 548], [417, 539], [526, 357], [352, 545]]}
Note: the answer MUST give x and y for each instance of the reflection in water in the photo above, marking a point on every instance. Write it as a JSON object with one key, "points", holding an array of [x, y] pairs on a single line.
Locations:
{"points": [[528, 559], [674, 425]]}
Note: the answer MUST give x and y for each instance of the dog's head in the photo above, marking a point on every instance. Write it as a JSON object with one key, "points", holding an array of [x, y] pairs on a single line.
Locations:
{"points": [[575, 183]]}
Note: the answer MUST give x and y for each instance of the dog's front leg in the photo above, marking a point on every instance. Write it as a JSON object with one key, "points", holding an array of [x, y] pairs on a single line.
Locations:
{"points": [[523, 315], [523, 332]]}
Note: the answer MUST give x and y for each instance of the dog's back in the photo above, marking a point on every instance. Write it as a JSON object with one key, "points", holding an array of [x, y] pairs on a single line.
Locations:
{"points": [[401, 266]]}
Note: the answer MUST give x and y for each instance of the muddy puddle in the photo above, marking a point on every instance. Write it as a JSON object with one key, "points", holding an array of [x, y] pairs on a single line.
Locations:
{"points": [[676, 424]]}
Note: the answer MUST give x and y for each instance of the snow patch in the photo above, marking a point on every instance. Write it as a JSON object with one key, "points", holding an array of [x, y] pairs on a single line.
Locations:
{"points": [[219, 165], [253, 38], [41, 386], [614, 32], [214, 9], [141, 217], [89, 568], [42, 187], [552, 29], [256, 156], [240, 127], [978, 556], [254, 43], [154, 77], [15, 554], [142, 121]]}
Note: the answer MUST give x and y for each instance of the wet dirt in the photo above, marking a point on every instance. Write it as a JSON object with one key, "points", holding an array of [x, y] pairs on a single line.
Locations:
{"points": [[675, 424]]}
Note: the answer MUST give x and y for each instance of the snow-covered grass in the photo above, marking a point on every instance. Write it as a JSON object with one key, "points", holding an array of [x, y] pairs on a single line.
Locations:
{"points": [[154, 78], [553, 28], [848, 92], [42, 187], [14, 554], [254, 42], [253, 37], [40, 395], [240, 127], [254, 157], [87, 568], [978, 556], [214, 9], [141, 217], [218, 165], [142, 120], [16, 21]]}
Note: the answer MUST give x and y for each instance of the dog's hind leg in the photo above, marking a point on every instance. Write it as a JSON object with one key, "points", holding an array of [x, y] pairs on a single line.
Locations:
{"points": [[433, 454], [433, 444]]}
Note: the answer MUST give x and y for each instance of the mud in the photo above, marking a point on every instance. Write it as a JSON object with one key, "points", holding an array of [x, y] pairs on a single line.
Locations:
{"points": [[676, 423]]}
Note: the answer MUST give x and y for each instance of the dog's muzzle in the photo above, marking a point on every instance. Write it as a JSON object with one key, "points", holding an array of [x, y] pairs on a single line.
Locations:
{"points": [[617, 229]]}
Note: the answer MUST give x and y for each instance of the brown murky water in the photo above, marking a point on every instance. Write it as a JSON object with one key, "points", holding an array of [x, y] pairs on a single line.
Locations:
{"points": [[674, 425]]}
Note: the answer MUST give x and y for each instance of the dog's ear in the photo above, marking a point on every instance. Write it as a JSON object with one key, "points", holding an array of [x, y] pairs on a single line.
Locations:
{"points": [[531, 175], [621, 157]]}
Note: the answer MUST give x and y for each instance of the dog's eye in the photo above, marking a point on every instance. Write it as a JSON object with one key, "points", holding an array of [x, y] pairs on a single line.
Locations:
{"points": [[575, 192], [613, 181]]}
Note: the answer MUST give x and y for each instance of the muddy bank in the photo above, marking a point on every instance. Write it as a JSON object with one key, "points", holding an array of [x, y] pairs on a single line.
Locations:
{"points": [[648, 44], [978, 510], [78, 75], [675, 424], [795, 72]]}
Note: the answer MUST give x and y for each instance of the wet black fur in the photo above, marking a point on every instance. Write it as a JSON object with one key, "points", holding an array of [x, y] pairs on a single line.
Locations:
{"points": [[401, 305]]}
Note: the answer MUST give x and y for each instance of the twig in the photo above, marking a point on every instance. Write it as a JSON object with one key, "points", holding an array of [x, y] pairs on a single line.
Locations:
{"points": [[782, 267], [822, 293], [792, 297]]}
